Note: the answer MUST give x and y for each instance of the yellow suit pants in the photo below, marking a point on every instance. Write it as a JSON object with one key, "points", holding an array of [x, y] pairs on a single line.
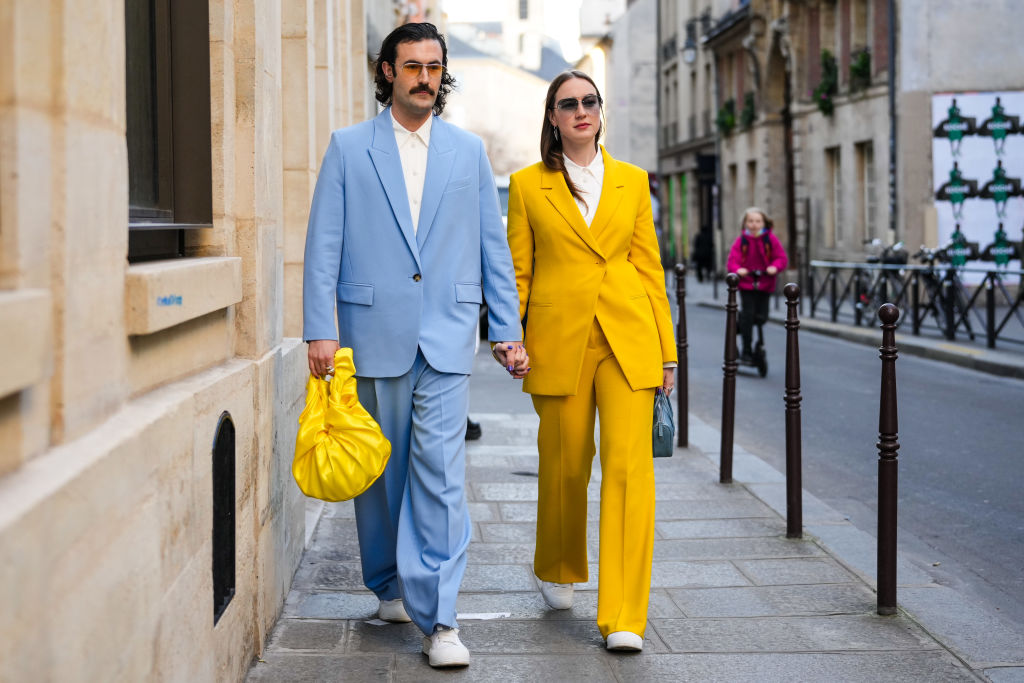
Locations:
{"points": [[566, 444]]}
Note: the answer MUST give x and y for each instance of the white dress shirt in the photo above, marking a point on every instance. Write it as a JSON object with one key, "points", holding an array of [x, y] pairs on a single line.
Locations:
{"points": [[412, 150], [588, 179]]}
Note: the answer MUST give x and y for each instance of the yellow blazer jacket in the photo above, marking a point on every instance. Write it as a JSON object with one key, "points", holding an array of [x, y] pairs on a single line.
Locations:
{"points": [[567, 274]]}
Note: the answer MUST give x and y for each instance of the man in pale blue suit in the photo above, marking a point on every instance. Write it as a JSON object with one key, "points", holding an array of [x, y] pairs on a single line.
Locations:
{"points": [[405, 239]]}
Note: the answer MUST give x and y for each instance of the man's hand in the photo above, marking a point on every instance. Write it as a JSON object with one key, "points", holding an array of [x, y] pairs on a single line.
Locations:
{"points": [[513, 356], [321, 356]]}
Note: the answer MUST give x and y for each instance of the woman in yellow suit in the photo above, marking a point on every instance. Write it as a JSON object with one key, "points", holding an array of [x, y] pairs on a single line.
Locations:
{"points": [[599, 334]]}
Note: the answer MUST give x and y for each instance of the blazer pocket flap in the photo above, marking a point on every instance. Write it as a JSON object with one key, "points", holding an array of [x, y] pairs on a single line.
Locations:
{"points": [[458, 184], [354, 293], [469, 292]]}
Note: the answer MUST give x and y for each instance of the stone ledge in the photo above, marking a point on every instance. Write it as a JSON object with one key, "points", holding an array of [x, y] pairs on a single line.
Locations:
{"points": [[25, 318], [162, 294]]}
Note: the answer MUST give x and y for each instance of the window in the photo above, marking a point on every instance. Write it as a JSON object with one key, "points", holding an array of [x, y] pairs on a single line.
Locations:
{"points": [[167, 89], [524, 9], [867, 213], [834, 193], [751, 183], [223, 542]]}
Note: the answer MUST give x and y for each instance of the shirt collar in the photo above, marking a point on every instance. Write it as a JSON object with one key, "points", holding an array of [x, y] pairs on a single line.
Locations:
{"points": [[423, 133], [595, 167]]}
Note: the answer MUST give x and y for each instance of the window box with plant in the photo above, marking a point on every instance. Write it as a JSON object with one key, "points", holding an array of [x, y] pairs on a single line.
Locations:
{"points": [[726, 118], [824, 93], [860, 70]]}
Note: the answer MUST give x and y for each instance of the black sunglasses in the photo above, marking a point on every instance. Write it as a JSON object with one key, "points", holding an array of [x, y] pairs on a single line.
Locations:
{"points": [[591, 103]]}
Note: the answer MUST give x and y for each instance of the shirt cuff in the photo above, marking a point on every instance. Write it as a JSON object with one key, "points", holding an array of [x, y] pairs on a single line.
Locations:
{"points": [[670, 364]]}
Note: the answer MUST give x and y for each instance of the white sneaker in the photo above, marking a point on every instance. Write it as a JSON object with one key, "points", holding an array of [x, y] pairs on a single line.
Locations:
{"points": [[445, 649], [625, 641], [393, 611], [557, 595]]}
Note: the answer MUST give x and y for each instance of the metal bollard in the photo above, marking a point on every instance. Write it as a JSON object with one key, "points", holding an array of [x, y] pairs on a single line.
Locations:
{"points": [[794, 479], [682, 367], [948, 292], [888, 445], [732, 281], [990, 310]]}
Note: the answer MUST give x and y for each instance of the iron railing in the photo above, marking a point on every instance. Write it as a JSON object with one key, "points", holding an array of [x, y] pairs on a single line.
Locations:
{"points": [[930, 297]]}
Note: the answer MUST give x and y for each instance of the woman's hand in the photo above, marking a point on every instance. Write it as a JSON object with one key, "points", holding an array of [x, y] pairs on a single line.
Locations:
{"points": [[742, 272], [669, 381], [771, 270]]}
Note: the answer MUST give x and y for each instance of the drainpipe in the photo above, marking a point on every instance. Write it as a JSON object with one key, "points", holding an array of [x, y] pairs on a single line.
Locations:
{"points": [[892, 122]]}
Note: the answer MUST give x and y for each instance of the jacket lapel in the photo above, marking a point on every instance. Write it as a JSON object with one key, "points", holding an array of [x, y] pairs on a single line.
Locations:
{"points": [[384, 154], [440, 159], [611, 194], [558, 194]]}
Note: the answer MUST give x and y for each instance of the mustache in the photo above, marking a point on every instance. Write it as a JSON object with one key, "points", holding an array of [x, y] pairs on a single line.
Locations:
{"points": [[422, 88]]}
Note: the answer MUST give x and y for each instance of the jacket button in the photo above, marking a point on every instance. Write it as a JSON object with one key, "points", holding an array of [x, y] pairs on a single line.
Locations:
{"points": [[417, 277]]}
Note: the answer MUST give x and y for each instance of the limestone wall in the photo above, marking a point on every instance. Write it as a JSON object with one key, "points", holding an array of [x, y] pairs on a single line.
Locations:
{"points": [[109, 404]]}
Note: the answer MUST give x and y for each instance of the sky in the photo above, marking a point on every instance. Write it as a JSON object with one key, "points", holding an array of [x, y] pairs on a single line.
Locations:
{"points": [[561, 19]]}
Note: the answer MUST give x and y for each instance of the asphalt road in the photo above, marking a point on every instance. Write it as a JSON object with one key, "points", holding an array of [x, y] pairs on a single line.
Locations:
{"points": [[961, 457]]}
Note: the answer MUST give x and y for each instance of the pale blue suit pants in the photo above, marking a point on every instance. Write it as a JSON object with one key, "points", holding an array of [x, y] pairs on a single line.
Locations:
{"points": [[413, 522]]}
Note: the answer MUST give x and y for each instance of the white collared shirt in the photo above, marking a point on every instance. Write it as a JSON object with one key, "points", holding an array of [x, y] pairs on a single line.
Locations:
{"points": [[412, 150], [589, 180]]}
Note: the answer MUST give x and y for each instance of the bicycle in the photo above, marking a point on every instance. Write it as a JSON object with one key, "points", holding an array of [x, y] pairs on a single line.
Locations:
{"points": [[876, 286]]}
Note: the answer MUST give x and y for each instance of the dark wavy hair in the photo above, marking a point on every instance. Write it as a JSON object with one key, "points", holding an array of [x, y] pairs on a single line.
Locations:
{"points": [[550, 145], [411, 33]]}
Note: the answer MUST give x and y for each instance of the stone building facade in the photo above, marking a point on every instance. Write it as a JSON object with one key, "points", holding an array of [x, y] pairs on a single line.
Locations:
{"points": [[785, 104], [156, 165]]}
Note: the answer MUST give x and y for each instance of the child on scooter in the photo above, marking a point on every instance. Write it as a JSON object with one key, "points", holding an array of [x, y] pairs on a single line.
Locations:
{"points": [[756, 256]]}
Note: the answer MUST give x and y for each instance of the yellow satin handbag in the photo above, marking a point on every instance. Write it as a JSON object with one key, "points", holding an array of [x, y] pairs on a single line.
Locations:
{"points": [[339, 450]]}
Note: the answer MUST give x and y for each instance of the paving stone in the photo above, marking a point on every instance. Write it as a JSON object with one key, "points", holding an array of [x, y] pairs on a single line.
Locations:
{"points": [[674, 574], [539, 636], [699, 491], [506, 532], [501, 553], [712, 509], [300, 668], [732, 548], [795, 571], [498, 577], [344, 510], [496, 450], [300, 634], [504, 491], [335, 540], [767, 668], [793, 634], [333, 605], [365, 637], [758, 601], [527, 512], [1013, 674], [337, 576], [486, 668], [814, 511], [483, 512], [721, 528], [505, 473]]}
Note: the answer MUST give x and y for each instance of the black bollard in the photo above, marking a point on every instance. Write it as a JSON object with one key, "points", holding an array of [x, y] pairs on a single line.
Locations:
{"points": [[732, 280], [794, 466], [682, 369], [888, 444]]}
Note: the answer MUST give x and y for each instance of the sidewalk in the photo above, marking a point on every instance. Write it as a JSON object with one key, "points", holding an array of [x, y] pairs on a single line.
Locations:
{"points": [[732, 599], [1007, 361]]}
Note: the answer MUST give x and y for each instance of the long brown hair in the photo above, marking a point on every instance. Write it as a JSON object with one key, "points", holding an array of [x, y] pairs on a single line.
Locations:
{"points": [[551, 146]]}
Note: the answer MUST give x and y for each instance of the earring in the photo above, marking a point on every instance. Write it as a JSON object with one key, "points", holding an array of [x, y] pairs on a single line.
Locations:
{"points": [[554, 130]]}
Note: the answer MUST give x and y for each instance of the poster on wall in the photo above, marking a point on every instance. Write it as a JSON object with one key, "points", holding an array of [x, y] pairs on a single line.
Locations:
{"points": [[977, 168]]}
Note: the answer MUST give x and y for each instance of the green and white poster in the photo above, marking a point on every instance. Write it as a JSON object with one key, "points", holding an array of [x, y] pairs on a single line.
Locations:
{"points": [[977, 167]]}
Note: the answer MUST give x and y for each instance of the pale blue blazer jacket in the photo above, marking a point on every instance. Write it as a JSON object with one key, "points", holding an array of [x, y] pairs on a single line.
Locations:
{"points": [[395, 290]]}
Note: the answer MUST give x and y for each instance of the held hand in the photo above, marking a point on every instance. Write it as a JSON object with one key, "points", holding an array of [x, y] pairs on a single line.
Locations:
{"points": [[742, 272], [668, 381], [771, 270], [321, 356], [512, 356]]}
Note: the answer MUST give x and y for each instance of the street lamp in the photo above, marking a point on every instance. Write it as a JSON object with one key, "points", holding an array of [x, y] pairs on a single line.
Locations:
{"points": [[689, 53], [690, 45]]}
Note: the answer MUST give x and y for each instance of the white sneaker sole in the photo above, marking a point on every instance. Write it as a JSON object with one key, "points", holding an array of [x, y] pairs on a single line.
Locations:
{"points": [[624, 641], [452, 657]]}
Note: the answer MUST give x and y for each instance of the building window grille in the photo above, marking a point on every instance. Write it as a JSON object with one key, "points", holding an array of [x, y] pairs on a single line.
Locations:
{"points": [[223, 515], [167, 93], [524, 9]]}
